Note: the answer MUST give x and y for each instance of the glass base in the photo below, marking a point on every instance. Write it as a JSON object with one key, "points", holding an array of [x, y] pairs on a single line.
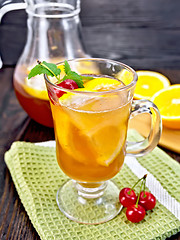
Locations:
{"points": [[89, 203]]}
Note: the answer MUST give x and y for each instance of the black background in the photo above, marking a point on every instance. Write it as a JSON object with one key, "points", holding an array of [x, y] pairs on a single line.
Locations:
{"points": [[144, 33]]}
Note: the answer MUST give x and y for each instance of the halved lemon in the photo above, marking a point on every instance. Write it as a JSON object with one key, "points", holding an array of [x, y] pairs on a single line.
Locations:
{"points": [[149, 83], [36, 87], [168, 102]]}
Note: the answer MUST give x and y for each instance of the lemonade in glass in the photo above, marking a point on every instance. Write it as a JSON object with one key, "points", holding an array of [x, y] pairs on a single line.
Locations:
{"points": [[90, 126]]}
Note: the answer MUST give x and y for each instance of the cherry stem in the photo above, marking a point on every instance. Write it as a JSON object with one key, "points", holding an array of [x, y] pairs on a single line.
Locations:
{"points": [[144, 178], [144, 188], [139, 194]]}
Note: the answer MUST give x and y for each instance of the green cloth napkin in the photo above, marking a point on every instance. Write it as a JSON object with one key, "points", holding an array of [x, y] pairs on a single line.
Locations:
{"points": [[37, 177]]}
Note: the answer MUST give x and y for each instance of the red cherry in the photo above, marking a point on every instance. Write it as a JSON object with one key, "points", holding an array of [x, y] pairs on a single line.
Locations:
{"points": [[68, 84], [147, 200], [135, 213], [127, 197]]}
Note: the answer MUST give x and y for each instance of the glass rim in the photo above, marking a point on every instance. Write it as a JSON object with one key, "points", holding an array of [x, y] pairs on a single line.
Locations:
{"points": [[74, 10], [126, 87]]}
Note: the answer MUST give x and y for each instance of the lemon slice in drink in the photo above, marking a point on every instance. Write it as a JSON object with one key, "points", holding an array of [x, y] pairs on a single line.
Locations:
{"points": [[102, 84], [80, 137], [94, 85], [91, 143], [73, 141], [97, 85], [36, 87], [108, 142], [101, 147]]}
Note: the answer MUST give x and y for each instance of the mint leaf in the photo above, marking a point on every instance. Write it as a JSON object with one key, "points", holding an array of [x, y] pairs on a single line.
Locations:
{"points": [[44, 68], [37, 70], [53, 67], [67, 67], [74, 76]]}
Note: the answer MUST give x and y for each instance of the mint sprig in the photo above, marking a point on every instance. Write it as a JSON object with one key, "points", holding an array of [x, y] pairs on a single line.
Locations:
{"points": [[72, 75], [45, 68], [51, 69]]}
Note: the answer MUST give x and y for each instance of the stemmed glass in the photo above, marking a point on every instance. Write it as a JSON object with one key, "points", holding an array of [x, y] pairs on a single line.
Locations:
{"points": [[90, 130]]}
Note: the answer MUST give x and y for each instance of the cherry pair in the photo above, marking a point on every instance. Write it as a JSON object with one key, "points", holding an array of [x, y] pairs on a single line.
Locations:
{"points": [[137, 205]]}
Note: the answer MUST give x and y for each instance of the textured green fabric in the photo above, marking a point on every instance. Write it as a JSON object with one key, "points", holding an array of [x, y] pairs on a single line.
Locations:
{"points": [[37, 177]]}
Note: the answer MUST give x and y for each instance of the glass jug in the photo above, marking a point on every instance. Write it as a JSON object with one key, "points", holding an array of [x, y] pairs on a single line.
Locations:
{"points": [[54, 34]]}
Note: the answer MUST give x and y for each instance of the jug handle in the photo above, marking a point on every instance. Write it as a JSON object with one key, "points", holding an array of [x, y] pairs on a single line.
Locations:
{"points": [[7, 7]]}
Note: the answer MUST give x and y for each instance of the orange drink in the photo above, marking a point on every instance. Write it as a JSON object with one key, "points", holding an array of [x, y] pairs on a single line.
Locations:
{"points": [[91, 131], [90, 123]]}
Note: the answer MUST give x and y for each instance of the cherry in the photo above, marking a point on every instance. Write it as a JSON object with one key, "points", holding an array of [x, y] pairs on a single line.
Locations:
{"points": [[147, 200], [68, 84], [127, 197], [135, 213]]}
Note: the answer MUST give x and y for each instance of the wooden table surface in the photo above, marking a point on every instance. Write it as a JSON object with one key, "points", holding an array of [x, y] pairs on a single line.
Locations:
{"points": [[143, 34]]}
